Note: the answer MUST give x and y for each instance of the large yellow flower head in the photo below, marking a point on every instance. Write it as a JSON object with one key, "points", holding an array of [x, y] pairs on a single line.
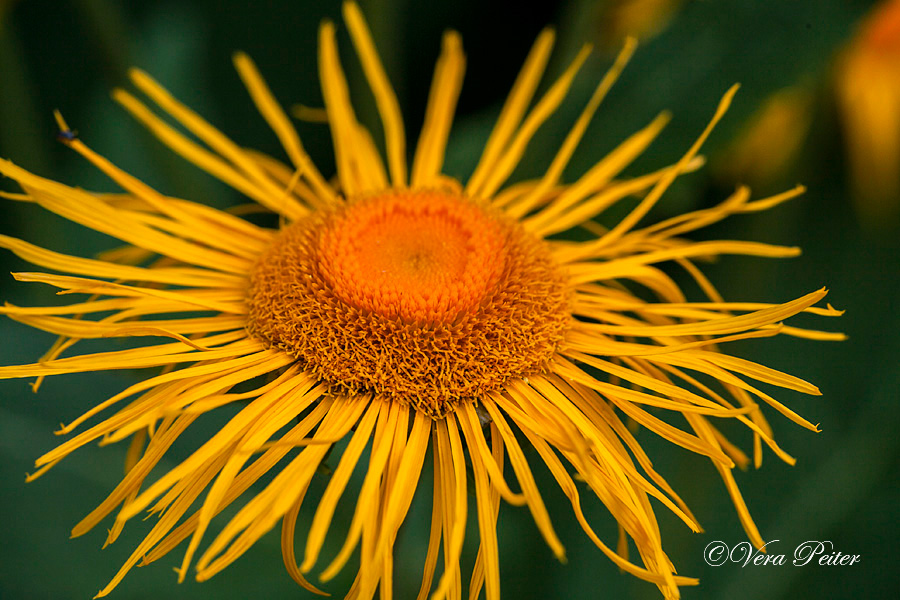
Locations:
{"points": [[400, 310]]}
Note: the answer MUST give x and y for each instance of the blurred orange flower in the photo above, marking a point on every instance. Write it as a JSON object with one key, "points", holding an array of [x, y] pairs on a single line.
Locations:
{"points": [[868, 95], [637, 18]]}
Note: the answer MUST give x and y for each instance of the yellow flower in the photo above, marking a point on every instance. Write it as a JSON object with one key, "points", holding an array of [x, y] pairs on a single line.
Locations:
{"points": [[399, 310], [868, 95]]}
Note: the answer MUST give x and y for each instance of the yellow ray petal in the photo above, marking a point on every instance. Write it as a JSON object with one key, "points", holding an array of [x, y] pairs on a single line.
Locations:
{"points": [[385, 98], [289, 207], [564, 154], [724, 325], [478, 450], [288, 403], [445, 88], [404, 484], [244, 480], [85, 209], [623, 267], [545, 107], [454, 468], [159, 444], [270, 505], [198, 299], [328, 502], [268, 195], [84, 329], [568, 486], [595, 192], [487, 524], [137, 358], [166, 522], [201, 229], [526, 480], [700, 426], [281, 125], [434, 537], [388, 421], [342, 120], [288, 527], [232, 433], [478, 572], [513, 109], [647, 203]]}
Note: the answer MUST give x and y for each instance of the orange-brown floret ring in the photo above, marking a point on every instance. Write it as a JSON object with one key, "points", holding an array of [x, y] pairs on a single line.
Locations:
{"points": [[425, 297]]}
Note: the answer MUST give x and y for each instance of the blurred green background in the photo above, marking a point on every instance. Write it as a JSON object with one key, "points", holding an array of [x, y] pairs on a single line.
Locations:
{"points": [[68, 54]]}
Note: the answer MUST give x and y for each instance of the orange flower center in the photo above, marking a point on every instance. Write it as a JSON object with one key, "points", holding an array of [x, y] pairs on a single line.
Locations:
{"points": [[425, 297], [423, 258]]}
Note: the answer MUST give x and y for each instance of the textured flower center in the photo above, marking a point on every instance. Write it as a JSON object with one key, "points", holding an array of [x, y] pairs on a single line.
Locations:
{"points": [[425, 297], [423, 258]]}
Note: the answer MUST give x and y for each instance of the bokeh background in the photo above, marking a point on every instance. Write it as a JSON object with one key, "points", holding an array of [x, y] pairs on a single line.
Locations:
{"points": [[802, 115]]}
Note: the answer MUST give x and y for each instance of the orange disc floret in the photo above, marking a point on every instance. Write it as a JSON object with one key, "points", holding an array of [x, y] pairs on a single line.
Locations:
{"points": [[426, 297]]}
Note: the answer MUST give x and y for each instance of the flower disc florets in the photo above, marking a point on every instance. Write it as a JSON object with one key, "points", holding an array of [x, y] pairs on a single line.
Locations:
{"points": [[427, 297]]}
